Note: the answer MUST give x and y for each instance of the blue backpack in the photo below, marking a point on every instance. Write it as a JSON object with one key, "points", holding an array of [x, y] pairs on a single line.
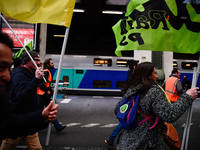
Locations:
{"points": [[127, 111]]}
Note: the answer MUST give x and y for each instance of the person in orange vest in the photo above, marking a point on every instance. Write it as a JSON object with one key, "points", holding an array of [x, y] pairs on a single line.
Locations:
{"points": [[45, 91], [173, 86]]}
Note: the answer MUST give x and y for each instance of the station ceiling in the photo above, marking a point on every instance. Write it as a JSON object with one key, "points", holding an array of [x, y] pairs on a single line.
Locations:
{"points": [[91, 30]]}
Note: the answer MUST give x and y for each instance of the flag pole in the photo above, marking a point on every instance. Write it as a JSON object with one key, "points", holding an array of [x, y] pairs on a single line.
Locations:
{"points": [[186, 132], [57, 80], [19, 40], [21, 43], [188, 120]]}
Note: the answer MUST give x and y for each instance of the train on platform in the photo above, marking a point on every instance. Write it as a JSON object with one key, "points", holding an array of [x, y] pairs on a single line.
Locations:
{"points": [[96, 75], [102, 75]]}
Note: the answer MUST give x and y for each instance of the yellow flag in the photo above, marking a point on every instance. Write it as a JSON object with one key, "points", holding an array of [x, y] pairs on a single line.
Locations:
{"points": [[58, 12]]}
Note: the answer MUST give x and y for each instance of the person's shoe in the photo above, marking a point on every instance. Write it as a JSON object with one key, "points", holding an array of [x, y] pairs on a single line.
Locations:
{"points": [[63, 127], [109, 144]]}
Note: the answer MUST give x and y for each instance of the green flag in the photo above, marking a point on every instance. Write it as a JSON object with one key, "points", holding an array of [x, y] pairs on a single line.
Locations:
{"points": [[164, 25], [28, 46]]}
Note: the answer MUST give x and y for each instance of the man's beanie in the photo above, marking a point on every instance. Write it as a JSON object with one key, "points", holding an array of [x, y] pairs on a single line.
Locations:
{"points": [[26, 58]]}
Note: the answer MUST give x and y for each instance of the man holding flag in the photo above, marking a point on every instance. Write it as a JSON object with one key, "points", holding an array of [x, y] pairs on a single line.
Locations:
{"points": [[24, 81], [36, 11], [12, 125]]}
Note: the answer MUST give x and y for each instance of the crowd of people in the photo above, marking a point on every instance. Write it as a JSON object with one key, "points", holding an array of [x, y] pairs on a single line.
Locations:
{"points": [[26, 106], [21, 113]]}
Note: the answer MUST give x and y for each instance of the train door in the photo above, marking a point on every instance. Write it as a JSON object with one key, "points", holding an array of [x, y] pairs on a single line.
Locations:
{"points": [[66, 77], [70, 78]]}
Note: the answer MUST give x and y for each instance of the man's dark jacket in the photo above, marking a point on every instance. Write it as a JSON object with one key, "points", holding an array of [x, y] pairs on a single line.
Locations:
{"points": [[17, 125], [23, 91], [22, 118]]}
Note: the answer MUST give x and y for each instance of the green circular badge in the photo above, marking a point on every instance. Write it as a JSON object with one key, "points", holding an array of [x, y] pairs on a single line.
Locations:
{"points": [[123, 108]]}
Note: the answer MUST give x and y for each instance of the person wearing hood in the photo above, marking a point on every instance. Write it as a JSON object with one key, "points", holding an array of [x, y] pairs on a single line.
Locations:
{"points": [[173, 86]]}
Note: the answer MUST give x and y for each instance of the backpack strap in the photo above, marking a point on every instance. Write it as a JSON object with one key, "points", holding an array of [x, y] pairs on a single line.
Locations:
{"points": [[149, 119], [146, 118]]}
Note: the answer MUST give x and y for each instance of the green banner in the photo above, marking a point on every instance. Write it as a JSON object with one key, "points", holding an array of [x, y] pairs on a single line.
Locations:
{"points": [[28, 46], [164, 25]]}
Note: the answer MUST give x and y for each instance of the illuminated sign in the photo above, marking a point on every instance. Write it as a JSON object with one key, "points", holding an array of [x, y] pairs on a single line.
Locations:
{"points": [[25, 35]]}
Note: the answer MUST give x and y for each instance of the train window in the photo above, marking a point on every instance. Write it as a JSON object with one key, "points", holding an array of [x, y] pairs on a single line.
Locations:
{"points": [[126, 63], [188, 65], [102, 62], [101, 84], [65, 80], [122, 63], [79, 71], [120, 84], [175, 64]]}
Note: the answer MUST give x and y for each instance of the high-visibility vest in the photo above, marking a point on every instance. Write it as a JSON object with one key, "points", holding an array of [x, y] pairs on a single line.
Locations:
{"points": [[170, 89], [47, 84]]}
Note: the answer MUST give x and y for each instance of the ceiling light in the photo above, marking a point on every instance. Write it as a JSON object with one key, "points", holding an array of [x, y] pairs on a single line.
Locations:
{"points": [[112, 12], [78, 10], [59, 35]]}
